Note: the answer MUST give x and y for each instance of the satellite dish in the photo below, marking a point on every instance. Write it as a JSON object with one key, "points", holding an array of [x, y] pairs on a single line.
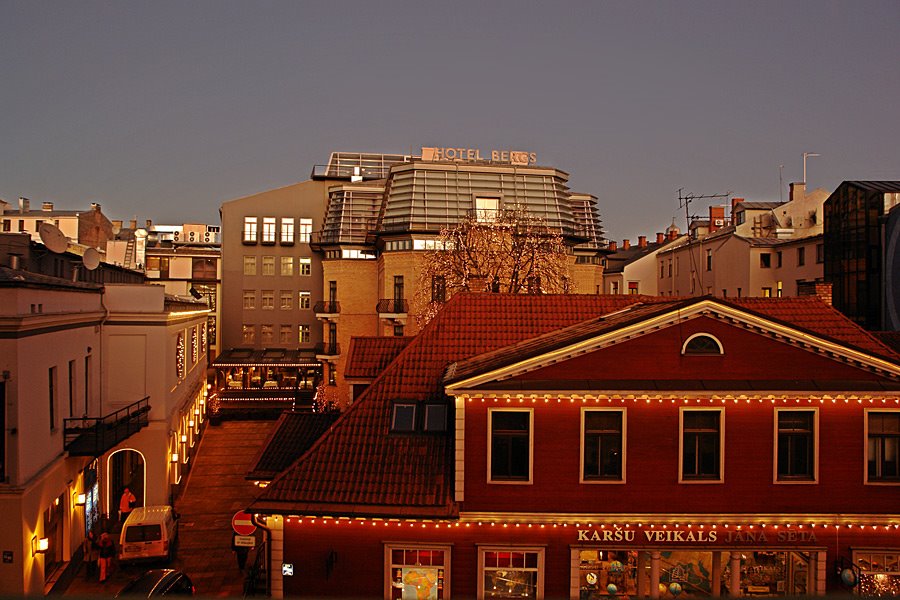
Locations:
{"points": [[91, 259], [53, 238]]}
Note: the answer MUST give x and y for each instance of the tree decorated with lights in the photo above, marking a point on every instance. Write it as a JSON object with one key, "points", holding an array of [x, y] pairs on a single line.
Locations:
{"points": [[499, 251]]}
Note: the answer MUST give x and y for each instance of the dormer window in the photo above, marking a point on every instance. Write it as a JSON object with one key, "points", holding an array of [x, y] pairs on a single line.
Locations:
{"points": [[702, 344], [403, 418]]}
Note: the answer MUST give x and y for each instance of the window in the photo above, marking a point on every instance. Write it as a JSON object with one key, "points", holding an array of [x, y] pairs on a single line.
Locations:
{"points": [[602, 438], [511, 572], [820, 253], [795, 445], [398, 287], [266, 334], [305, 230], [250, 226], [632, 287], [486, 209], [303, 300], [249, 299], [287, 231], [403, 418], [879, 572], [305, 266], [709, 260], [286, 334], [509, 447], [267, 300], [51, 389], [766, 292], [662, 269], [614, 287], [801, 256], [248, 334], [701, 443], [203, 268], [398, 330], [249, 265], [332, 291], [158, 263], [765, 260], [778, 259], [287, 266], [286, 298], [268, 230], [417, 572], [303, 336], [883, 446], [438, 288], [669, 270], [7, 225], [71, 388], [268, 265], [435, 417], [332, 374], [702, 343]]}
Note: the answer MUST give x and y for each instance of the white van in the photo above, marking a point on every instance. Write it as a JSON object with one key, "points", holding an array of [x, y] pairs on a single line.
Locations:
{"points": [[149, 532]]}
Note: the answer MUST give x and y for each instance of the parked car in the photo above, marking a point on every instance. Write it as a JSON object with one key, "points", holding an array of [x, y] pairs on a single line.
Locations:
{"points": [[150, 532], [158, 582]]}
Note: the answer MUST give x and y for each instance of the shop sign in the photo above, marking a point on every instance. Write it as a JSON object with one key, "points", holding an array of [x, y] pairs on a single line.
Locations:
{"points": [[513, 157], [698, 536]]}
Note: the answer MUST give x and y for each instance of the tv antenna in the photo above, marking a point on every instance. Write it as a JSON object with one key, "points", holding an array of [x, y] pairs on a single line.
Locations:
{"points": [[684, 201]]}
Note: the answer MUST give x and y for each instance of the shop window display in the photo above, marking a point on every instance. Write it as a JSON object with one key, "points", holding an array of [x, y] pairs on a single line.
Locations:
{"points": [[770, 573], [599, 569], [510, 574], [417, 573], [879, 573]]}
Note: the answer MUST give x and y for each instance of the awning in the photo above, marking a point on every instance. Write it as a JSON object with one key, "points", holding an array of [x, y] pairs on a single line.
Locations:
{"points": [[267, 357]]}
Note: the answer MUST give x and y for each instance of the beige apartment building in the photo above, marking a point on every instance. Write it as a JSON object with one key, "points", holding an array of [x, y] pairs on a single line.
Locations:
{"points": [[763, 249], [312, 265]]}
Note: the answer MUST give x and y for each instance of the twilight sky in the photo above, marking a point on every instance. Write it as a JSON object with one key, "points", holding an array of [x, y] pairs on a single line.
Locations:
{"points": [[165, 109]]}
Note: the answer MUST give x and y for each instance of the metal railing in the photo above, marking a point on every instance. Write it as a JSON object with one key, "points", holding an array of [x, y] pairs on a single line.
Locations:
{"points": [[392, 306], [327, 307], [327, 349], [92, 436]]}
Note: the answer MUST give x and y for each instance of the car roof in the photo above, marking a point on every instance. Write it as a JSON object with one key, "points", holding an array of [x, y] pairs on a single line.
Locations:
{"points": [[147, 582]]}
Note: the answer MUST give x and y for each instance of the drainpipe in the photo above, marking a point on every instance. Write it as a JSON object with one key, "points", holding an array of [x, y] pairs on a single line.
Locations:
{"points": [[267, 534]]}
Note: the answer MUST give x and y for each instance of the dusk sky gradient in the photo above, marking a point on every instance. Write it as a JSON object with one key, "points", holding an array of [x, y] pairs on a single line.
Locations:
{"points": [[164, 110]]}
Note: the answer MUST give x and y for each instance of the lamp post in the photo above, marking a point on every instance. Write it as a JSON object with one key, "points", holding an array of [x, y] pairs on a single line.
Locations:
{"points": [[805, 156]]}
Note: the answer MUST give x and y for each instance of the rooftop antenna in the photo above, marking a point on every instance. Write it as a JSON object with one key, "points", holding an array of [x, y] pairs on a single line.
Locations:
{"points": [[684, 201], [781, 183]]}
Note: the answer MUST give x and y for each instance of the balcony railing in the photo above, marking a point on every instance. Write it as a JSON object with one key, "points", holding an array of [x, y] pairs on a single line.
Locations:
{"points": [[92, 436], [327, 307], [393, 306], [327, 349]]}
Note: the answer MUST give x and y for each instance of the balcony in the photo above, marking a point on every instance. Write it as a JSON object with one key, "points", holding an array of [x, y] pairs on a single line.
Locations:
{"points": [[327, 310], [92, 436], [327, 351], [394, 310]]}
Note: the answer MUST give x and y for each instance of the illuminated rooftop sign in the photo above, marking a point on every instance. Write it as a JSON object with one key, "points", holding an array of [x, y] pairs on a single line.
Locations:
{"points": [[513, 157]]}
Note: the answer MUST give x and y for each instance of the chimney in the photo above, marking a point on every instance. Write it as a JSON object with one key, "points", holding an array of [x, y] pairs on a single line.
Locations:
{"points": [[14, 262], [613, 246], [823, 291], [642, 241], [716, 218], [734, 203], [47, 206], [24, 205], [626, 244], [660, 238], [798, 188], [149, 225], [95, 206], [117, 225], [673, 234], [133, 224]]}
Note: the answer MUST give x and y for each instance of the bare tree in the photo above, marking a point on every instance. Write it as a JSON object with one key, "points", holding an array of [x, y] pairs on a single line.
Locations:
{"points": [[505, 251]]}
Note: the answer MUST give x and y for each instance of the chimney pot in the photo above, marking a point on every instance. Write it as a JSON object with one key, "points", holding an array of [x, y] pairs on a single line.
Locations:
{"points": [[47, 206], [133, 224], [626, 244], [149, 224], [95, 206], [613, 246], [642, 241], [660, 238], [24, 205]]}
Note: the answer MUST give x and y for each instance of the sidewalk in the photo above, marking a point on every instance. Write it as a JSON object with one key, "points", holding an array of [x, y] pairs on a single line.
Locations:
{"points": [[215, 490]]}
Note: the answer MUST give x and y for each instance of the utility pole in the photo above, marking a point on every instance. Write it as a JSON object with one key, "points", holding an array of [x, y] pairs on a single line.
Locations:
{"points": [[684, 201]]}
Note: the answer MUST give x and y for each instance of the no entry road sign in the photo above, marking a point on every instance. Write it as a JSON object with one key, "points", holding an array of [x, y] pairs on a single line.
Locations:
{"points": [[242, 523]]}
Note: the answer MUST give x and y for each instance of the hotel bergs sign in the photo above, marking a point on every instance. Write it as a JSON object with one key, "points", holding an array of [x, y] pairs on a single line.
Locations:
{"points": [[513, 157], [698, 536]]}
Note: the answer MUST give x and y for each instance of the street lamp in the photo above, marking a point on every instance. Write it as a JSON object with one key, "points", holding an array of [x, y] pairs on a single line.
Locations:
{"points": [[805, 156]]}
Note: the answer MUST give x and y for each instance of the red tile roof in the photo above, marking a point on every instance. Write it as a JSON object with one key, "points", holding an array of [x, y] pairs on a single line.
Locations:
{"points": [[359, 468], [292, 435], [368, 356]]}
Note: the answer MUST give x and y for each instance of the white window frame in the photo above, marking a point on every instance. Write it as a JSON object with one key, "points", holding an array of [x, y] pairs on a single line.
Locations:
{"points": [[304, 232], [269, 228], [248, 334], [250, 260], [304, 300], [301, 330], [267, 333], [490, 427], [307, 262], [249, 299], [866, 480], [702, 334], [251, 225], [267, 299], [268, 266], [286, 334], [815, 433], [487, 208], [681, 411], [286, 266], [389, 563], [541, 565], [287, 230], [621, 480], [285, 299]]}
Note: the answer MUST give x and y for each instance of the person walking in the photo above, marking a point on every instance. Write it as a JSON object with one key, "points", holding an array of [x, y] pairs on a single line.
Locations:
{"points": [[107, 550], [91, 550], [126, 504]]}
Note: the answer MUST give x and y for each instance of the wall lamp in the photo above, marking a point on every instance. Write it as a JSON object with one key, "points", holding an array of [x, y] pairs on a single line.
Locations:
{"points": [[39, 545], [184, 438], [191, 423], [80, 499], [174, 457]]}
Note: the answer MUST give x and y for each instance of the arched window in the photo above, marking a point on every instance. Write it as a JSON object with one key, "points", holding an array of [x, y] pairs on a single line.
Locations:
{"points": [[702, 344]]}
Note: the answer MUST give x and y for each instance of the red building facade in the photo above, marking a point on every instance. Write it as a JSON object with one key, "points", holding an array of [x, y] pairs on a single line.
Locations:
{"points": [[581, 447]]}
